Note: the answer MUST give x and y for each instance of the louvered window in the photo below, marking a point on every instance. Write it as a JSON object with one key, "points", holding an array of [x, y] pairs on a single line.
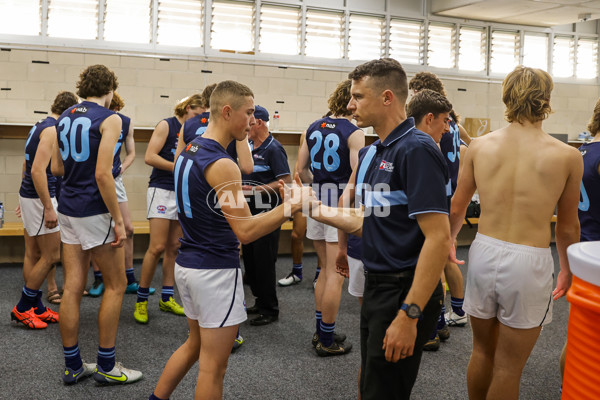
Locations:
{"points": [[324, 34], [279, 30], [232, 26], [441, 50], [505, 51], [127, 21], [74, 19], [587, 58], [365, 37], [535, 51], [20, 17], [406, 41], [180, 23], [471, 50], [563, 56]]}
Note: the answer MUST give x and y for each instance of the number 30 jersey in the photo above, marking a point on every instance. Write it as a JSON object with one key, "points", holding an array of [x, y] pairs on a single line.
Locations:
{"points": [[78, 131], [327, 141]]}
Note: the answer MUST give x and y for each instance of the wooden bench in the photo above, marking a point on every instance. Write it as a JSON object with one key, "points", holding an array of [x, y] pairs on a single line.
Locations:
{"points": [[139, 227], [143, 227]]}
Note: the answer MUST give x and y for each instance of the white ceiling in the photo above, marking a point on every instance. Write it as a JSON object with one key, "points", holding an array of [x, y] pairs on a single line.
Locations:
{"points": [[527, 12]]}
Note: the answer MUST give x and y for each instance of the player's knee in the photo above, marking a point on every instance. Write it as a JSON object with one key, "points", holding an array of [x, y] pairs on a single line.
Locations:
{"points": [[129, 230], [157, 249]]}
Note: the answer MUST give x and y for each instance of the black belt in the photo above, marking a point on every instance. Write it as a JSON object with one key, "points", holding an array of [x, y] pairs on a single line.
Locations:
{"points": [[389, 276]]}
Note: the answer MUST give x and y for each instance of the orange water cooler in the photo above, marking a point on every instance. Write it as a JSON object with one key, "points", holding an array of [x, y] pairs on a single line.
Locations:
{"points": [[582, 367]]}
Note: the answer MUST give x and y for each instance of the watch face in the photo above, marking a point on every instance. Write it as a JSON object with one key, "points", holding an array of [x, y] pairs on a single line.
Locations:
{"points": [[413, 311]]}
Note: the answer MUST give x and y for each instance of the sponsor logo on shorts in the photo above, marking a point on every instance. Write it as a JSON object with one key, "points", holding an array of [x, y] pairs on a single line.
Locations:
{"points": [[161, 209], [386, 166]]}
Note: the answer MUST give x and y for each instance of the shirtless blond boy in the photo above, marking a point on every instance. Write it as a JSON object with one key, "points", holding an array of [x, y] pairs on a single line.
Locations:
{"points": [[522, 175]]}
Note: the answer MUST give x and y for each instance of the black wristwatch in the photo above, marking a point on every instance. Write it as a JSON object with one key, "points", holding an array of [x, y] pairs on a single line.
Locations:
{"points": [[412, 311]]}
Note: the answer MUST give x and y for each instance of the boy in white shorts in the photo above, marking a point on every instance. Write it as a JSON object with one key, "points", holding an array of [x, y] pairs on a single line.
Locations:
{"points": [[165, 230], [91, 223], [522, 175], [207, 268], [330, 152], [37, 200]]}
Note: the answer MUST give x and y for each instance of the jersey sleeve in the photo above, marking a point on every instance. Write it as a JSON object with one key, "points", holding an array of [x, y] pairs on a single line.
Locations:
{"points": [[426, 180], [279, 162]]}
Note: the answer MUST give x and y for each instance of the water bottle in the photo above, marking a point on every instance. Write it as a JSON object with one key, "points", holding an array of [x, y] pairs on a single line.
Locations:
{"points": [[275, 126], [1, 214]]}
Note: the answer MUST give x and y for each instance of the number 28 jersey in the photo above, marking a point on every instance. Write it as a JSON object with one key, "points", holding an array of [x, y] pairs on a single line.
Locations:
{"points": [[78, 131], [327, 141]]}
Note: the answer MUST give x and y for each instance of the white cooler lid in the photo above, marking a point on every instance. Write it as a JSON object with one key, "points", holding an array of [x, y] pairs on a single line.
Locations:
{"points": [[584, 260]]}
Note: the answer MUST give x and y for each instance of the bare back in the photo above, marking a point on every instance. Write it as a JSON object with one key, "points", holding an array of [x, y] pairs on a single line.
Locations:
{"points": [[521, 174]]}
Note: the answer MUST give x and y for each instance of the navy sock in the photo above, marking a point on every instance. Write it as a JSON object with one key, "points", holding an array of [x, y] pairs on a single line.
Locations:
{"points": [[41, 308], [167, 291], [28, 299], [106, 358], [297, 270], [155, 397], [433, 334], [326, 334], [130, 275], [317, 272], [143, 293], [442, 319], [73, 357], [318, 317], [457, 305], [98, 275]]}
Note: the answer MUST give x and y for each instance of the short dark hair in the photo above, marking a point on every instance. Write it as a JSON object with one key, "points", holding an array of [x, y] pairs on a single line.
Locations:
{"points": [[230, 93], [387, 73], [425, 102], [339, 99], [62, 101], [206, 95], [96, 81]]}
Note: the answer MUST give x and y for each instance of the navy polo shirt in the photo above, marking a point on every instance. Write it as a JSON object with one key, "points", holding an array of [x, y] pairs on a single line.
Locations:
{"points": [[397, 179], [270, 163]]}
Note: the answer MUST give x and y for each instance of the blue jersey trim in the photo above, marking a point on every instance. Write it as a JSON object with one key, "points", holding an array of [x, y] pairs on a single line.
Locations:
{"points": [[449, 188], [261, 168], [176, 174], [364, 165], [185, 193], [412, 216], [385, 199]]}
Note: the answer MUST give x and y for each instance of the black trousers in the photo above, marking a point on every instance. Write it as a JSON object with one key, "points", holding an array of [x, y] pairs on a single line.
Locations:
{"points": [[259, 258], [383, 296]]}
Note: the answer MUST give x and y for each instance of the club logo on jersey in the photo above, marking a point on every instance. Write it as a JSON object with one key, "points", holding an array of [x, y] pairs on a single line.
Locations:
{"points": [[204, 120], [192, 148], [258, 157], [583, 152], [386, 166], [79, 110], [161, 209], [328, 125]]}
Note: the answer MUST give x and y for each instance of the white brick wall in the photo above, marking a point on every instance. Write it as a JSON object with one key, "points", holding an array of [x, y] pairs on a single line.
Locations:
{"points": [[144, 79]]}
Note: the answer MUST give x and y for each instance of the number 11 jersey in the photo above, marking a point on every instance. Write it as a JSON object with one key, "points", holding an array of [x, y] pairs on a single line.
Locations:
{"points": [[78, 131]]}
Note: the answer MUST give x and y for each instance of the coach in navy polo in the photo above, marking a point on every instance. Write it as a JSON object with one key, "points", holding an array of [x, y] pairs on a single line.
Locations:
{"points": [[402, 181], [261, 187]]}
